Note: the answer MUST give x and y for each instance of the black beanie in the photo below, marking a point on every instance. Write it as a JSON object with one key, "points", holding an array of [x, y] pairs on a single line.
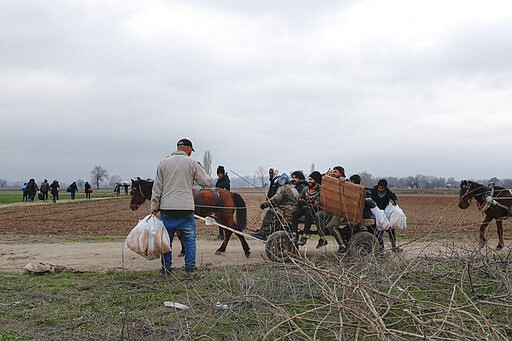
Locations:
{"points": [[383, 183], [316, 176]]}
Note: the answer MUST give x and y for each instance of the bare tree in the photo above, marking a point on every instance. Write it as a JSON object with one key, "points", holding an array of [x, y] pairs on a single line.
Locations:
{"points": [[98, 174], [366, 178], [312, 168], [80, 183], [114, 179], [207, 162], [260, 174]]}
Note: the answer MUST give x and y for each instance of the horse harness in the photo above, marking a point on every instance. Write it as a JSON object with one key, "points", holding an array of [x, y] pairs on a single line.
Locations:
{"points": [[216, 196], [491, 201]]}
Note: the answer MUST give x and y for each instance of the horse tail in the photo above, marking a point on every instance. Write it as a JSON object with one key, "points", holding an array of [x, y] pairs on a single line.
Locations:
{"points": [[241, 211]]}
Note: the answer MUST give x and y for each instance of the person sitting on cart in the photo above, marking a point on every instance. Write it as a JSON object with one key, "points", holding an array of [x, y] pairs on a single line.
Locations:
{"points": [[308, 206], [281, 207], [346, 231], [382, 195], [328, 222], [299, 181], [273, 183]]}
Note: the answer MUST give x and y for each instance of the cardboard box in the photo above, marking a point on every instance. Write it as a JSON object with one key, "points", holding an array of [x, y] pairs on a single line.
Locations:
{"points": [[342, 198]]}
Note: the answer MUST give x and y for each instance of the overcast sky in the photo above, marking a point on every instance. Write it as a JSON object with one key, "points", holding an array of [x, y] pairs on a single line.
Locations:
{"points": [[394, 88]]}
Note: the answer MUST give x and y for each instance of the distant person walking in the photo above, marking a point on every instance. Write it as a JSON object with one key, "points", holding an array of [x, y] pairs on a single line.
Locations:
{"points": [[31, 189], [44, 188], [54, 190], [87, 190], [172, 196], [25, 193], [125, 185], [73, 188]]}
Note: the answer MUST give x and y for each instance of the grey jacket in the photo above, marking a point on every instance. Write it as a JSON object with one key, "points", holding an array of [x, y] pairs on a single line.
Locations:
{"points": [[175, 176]]}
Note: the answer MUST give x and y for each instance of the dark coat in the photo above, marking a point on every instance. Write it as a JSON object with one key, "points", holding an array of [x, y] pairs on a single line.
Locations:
{"points": [[383, 201], [272, 188], [73, 187], [224, 182], [54, 188]]}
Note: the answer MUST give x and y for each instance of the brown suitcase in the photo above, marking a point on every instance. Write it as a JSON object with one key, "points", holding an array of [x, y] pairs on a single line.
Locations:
{"points": [[342, 198]]}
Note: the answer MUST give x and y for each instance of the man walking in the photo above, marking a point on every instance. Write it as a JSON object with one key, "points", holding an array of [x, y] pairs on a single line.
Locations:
{"points": [[172, 197]]}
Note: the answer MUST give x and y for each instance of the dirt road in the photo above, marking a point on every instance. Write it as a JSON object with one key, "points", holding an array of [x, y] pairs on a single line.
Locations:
{"points": [[103, 256]]}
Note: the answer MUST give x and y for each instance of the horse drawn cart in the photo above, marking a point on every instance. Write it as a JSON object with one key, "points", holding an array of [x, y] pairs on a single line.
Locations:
{"points": [[340, 198]]}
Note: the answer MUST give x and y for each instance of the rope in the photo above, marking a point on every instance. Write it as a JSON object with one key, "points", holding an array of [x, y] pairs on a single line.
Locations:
{"points": [[227, 228]]}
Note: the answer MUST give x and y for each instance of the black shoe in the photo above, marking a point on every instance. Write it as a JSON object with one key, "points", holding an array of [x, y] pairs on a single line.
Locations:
{"points": [[396, 249], [259, 235], [321, 243], [190, 270], [220, 237], [342, 249], [302, 241]]}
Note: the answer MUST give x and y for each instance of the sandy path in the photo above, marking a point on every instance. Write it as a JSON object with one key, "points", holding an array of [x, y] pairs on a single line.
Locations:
{"points": [[102, 256]]}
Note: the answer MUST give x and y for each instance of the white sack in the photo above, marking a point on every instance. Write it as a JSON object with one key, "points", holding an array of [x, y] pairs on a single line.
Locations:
{"points": [[395, 216], [149, 238], [381, 220]]}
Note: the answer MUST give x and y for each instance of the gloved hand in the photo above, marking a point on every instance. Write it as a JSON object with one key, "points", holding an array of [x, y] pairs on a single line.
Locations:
{"points": [[264, 205], [395, 202]]}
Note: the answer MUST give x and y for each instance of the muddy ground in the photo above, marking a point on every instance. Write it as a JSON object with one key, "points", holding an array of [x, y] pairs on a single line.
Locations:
{"points": [[61, 233]]}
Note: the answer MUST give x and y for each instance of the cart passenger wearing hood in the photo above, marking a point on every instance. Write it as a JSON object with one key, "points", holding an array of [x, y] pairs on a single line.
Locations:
{"points": [[281, 207]]}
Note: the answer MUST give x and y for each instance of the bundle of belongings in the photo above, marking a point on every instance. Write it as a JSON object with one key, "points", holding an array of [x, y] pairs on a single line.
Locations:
{"points": [[391, 217], [149, 238]]}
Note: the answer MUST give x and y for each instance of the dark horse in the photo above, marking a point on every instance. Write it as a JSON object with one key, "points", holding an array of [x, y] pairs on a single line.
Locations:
{"points": [[494, 202], [226, 207]]}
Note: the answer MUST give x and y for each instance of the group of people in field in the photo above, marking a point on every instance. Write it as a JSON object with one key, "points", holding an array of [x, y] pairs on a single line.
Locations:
{"points": [[291, 198], [30, 190]]}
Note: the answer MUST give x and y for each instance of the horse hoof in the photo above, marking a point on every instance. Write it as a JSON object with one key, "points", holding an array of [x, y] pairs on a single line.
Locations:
{"points": [[481, 244], [181, 254], [218, 252], [247, 254], [499, 246]]}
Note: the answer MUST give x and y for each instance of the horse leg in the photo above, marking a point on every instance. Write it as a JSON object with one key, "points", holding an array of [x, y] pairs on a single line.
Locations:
{"points": [[484, 225], [245, 246], [501, 243], [222, 248]]}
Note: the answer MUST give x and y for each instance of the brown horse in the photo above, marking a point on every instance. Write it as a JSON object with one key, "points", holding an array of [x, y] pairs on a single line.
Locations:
{"points": [[494, 202], [226, 207]]}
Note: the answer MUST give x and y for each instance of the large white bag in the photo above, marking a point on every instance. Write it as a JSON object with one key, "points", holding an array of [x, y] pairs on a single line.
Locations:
{"points": [[381, 220], [149, 238], [395, 216]]}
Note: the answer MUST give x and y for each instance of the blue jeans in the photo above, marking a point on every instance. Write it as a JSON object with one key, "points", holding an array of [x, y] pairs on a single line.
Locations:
{"points": [[187, 226]]}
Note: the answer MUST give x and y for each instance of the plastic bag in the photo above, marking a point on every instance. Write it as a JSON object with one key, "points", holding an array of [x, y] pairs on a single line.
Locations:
{"points": [[381, 220], [149, 238], [395, 216]]}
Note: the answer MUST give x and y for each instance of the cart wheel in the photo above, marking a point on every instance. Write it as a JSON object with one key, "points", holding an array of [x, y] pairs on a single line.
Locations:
{"points": [[280, 247], [363, 244]]}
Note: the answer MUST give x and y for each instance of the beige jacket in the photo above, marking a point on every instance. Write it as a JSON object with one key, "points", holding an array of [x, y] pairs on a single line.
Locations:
{"points": [[285, 201], [175, 176]]}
